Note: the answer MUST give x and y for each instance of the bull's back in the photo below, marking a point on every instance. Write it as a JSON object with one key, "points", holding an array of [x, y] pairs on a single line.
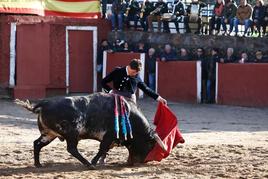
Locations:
{"points": [[86, 115]]}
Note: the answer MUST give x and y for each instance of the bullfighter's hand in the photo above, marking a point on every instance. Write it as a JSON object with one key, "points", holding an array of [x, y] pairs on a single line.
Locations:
{"points": [[162, 100]]}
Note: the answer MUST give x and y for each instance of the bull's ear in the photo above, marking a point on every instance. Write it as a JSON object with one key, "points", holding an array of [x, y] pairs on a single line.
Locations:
{"points": [[160, 142]]}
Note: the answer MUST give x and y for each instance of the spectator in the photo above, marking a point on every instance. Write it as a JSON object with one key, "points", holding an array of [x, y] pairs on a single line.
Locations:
{"points": [[258, 17], [118, 10], [243, 57], [259, 58], [211, 74], [229, 13], [150, 64], [104, 46], [265, 23], [229, 56], [118, 45], [216, 18], [132, 13], [194, 15], [243, 16], [178, 14], [159, 9], [125, 47], [140, 48], [168, 54], [200, 56], [103, 8], [146, 9], [183, 55]]}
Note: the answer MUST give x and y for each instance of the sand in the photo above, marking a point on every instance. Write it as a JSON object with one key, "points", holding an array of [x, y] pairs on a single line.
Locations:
{"points": [[221, 142]]}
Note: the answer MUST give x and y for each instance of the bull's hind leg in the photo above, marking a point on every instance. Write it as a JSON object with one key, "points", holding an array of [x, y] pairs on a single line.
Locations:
{"points": [[72, 149], [105, 146], [39, 143]]}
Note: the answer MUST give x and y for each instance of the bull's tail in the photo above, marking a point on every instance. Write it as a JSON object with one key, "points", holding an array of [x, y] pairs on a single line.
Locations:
{"points": [[27, 105]]}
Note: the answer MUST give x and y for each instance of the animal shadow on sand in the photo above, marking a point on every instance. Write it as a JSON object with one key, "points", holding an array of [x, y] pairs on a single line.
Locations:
{"points": [[59, 167]]}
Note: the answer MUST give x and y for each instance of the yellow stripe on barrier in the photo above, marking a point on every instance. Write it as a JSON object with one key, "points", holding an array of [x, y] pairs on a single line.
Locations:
{"points": [[75, 7]]}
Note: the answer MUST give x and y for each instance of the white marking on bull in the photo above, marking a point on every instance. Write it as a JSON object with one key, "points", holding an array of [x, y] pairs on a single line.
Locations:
{"points": [[80, 125], [47, 138]]}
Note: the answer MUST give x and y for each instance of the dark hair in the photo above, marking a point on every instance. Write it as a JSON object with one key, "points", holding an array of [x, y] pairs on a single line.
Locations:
{"points": [[135, 64]]}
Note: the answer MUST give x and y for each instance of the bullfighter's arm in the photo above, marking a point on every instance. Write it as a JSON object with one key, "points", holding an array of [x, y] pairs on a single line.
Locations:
{"points": [[146, 89], [106, 80]]}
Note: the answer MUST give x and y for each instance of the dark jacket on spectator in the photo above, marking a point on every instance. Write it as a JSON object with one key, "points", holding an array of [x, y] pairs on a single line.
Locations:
{"points": [[169, 56], [163, 6], [118, 7], [230, 59], [150, 63], [179, 9], [229, 11], [258, 13], [211, 66]]}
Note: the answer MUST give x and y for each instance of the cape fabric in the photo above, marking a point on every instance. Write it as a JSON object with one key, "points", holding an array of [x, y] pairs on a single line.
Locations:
{"points": [[167, 129]]}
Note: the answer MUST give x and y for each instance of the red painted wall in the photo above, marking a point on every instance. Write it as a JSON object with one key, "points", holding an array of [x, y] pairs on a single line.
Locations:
{"points": [[53, 55], [119, 59], [177, 81], [243, 84]]}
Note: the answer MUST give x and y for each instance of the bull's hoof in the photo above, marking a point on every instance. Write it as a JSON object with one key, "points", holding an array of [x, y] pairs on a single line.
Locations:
{"points": [[38, 165]]}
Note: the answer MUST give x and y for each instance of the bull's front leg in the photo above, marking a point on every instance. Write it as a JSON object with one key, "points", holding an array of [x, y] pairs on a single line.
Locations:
{"points": [[72, 149]]}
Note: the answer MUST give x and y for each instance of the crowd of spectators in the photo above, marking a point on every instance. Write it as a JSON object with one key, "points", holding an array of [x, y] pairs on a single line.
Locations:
{"points": [[226, 16], [167, 52]]}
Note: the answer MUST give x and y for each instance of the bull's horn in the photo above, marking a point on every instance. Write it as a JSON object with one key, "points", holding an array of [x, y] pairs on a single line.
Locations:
{"points": [[160, 142]]}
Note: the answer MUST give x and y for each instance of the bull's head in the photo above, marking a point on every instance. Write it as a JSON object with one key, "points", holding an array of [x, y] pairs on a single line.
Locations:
{"points": [[141, 147]]}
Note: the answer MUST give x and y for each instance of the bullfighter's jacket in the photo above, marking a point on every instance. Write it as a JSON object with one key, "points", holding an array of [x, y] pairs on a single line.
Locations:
{"points": [[124, 83]]}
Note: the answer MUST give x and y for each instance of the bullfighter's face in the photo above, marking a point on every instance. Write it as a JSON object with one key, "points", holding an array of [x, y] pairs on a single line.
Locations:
{"points": [[132, 72]]}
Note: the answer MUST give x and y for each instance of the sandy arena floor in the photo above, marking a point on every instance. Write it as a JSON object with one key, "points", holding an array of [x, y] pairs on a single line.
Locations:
{"points": [[221, 142]]}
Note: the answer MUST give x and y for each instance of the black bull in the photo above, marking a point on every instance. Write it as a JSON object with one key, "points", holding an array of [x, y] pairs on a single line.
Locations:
{"points": [[90, 117]]}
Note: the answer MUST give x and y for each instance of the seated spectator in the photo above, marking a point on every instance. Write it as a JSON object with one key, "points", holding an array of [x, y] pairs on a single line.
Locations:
{"points": [[150, 65], [229, 56], [178, 15], [259, 58], [216, 17], [126, 47], [229, 13], [194, 15], [118, 10], [168, 54], [183, 55], [132, 13], [118, 45], [243, 58], [258, 17], [140, 48], [146, 9], [243, 16], [159, 8]]}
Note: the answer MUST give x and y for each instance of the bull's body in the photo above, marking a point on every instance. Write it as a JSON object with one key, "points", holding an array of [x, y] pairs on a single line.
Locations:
{"points": [[90, 117]]}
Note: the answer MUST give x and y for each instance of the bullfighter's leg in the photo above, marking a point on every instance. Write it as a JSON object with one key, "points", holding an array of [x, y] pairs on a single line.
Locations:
{"points": [[72, 149], [104, 148], [39, 143]]}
